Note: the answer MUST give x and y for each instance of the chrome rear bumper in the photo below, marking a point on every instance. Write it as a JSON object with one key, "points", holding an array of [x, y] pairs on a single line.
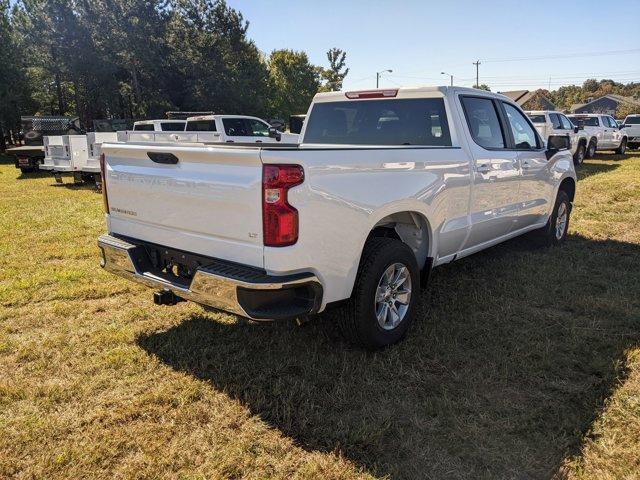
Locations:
{"points": [[233, 288]]}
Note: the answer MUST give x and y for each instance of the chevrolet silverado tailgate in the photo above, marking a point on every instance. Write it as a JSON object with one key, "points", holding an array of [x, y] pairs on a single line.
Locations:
{"points": [[200, 199]]}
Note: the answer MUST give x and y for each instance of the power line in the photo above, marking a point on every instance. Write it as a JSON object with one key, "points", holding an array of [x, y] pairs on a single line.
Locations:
{"points": [[565, 55]]}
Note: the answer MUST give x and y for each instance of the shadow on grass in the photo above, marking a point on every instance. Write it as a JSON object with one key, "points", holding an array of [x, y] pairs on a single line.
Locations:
{"points": [[508, 364]]}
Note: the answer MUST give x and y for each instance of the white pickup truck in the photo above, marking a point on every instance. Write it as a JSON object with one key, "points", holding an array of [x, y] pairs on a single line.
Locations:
{"points": [[550, 123], [631, 126], [603, 130], [385, 185], [214, 128]]}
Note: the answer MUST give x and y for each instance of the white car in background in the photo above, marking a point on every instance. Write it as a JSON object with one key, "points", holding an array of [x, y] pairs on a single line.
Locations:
{"points": [[550, 123], [631, 126], [236, 129], [604, 131]]}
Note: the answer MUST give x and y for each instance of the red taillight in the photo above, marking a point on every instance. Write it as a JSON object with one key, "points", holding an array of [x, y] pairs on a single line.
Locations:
{"points": [[372, 94], [279, 219], [103, 180]]}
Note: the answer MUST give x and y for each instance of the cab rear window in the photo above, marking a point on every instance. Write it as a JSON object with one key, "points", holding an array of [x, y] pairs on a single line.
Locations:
{"points": [[201, 126], [537, 118], [421, 122], [632, 121], [148, 127], [586, 121]]}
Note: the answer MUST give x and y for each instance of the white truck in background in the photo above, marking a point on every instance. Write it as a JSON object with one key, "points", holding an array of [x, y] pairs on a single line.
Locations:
{"points": [[384, 185], [550, 123], [603, 130], [631, 126], [215, 129]]}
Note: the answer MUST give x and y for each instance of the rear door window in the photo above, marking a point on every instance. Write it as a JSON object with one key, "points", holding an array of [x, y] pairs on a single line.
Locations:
{"points": [[483, 122], [420, 122]]}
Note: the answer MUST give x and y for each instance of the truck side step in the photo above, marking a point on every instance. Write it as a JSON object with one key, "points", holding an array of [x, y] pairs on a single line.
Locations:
{"points": [[166, 297]]}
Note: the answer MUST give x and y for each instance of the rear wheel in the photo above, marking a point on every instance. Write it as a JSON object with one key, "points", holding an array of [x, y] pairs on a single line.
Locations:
{"points": [[555, 231], [26, 169], [578, 158], [591, 149], [384, 298], [622, 148]]}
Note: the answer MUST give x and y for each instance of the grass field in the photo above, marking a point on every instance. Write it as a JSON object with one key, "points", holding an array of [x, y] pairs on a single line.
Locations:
{"points": [[523, 363]]}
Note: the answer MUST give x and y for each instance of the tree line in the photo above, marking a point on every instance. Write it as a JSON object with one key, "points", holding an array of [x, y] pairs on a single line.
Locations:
{"points": [[99, 59]]}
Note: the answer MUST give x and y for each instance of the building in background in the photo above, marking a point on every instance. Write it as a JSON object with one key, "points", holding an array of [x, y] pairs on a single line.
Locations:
{"points": [[529, 100], [607, 104]]}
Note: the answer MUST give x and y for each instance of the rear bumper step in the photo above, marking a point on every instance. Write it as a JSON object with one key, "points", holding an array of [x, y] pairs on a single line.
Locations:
{"points": [[239, 289]]}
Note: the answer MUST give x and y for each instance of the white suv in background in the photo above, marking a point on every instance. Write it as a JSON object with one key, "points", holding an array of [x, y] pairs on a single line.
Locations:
{"points": [[631, 126], [550, 123], [604, 129]]}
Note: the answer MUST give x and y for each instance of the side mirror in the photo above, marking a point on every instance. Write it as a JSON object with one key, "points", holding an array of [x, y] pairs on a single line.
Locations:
{"points": [[557, 143], [274, 133], [576, 129]]}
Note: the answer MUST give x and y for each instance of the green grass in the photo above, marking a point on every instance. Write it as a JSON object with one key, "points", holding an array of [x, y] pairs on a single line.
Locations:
{"points": [[523, 363]]}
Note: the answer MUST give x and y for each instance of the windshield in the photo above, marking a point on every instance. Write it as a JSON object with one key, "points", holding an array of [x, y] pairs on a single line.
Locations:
{"points": [[379, 122], [201, 126], [632, 121], [537, 118], [586, 121]]}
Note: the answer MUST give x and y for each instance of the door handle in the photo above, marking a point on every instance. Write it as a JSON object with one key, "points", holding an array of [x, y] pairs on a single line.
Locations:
{"points": [[484, 168]]}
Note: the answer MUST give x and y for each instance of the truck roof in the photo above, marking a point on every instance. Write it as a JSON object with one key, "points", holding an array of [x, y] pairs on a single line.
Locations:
{"points": [[405, 92], [213, 117], [152, 122]]}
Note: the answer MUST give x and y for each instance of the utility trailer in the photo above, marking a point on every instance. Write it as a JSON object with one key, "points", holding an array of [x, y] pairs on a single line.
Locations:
{"points": [[70, 156], [29, 156]]}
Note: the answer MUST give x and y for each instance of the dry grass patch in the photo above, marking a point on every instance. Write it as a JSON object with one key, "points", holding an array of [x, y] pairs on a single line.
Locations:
{"points": [[524, 363]]}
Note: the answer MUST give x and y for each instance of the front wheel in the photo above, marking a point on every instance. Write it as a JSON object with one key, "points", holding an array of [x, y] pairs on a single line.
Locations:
{"points": [[555, 231], [578, 158], [591, 150], [385, 295], [622, 148]]}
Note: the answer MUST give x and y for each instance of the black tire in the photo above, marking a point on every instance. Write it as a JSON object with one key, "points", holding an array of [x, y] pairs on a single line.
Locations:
{"points": [[357, 319], [548, 235], [24, 170], [622, 148], [578, 158], [591, 149]]}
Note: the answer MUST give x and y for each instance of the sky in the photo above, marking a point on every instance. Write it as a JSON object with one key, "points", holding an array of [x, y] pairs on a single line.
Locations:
{"points": [[520, 45]]}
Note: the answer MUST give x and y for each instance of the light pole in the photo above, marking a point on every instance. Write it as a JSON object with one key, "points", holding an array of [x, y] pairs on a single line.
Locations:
{"points": [[378, 76], [451, 76]]}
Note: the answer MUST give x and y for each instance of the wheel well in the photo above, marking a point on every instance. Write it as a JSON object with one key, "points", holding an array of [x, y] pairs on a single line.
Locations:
{"points": [[410, 228], [569, 186]]}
